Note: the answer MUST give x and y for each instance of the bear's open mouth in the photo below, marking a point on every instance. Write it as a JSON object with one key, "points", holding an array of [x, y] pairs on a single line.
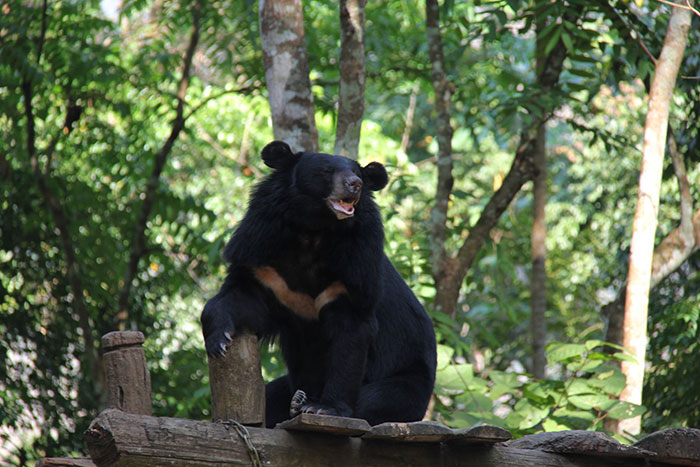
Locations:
{"points": [[343, 208]]}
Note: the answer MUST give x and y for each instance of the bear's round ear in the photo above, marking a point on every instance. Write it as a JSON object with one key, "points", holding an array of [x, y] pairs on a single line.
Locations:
{"points": [[374, 176], [278, 155]]}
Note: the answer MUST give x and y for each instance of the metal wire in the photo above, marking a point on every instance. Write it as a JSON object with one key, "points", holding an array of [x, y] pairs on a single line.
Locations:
{"points": [[245, 436]]}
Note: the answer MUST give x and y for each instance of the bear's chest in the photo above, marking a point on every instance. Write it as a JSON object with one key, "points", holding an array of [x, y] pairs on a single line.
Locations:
{"points": [[304, 262]]}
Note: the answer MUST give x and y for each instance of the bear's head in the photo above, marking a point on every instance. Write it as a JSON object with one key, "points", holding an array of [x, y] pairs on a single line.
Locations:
{"points": [[335, 180]]}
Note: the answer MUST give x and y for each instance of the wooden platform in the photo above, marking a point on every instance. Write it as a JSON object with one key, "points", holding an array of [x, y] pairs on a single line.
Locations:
{"points": [[117, 438]]}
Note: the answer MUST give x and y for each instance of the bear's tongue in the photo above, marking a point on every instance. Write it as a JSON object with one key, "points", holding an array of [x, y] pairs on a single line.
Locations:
{"points": [[344, 207]]}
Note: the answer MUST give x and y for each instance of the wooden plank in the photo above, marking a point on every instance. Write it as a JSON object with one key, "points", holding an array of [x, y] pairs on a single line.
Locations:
{"points": [[121, 439], [65, 462], [578, 442], [680, 446], [482, 434], [424, 432], [326, 424]]}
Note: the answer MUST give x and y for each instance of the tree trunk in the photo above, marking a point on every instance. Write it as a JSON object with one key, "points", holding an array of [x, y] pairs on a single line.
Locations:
{"points": [[538, 281], [646, 215], [351, 92], [287, 73], [538, 236], [443, 95]]}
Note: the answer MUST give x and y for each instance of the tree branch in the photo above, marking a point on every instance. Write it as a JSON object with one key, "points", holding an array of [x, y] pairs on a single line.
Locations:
{"points": [[683, 185], [682, 241], [688, 6], [42, 33], [138, 245]]}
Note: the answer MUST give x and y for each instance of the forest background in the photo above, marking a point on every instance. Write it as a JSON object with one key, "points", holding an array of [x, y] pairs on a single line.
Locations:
{"points": [[129, 141]]}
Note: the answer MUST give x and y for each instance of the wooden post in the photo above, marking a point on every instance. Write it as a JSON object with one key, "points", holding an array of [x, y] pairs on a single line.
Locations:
{"points": [[128, 379], [237, 388]]}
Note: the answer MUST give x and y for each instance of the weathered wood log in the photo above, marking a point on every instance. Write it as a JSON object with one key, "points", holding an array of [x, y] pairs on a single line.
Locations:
{"points": [[326, 424], [675, 445], [127, 377], [65, 462], [237, 387], [578, 442], [121, 439]]}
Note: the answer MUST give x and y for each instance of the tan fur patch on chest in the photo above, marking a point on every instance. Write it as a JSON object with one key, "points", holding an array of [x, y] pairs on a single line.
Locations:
{"points": [[301, 304]]}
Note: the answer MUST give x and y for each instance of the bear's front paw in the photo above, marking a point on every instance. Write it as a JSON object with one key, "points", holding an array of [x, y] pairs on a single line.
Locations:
{"points": [[218, 342]]}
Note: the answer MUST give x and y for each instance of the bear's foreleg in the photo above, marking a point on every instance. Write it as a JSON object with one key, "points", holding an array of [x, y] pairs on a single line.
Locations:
{"points": [[240, 304]]}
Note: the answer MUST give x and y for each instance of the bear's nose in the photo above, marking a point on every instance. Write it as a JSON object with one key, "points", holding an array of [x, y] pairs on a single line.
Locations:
{"points": [[353, 183]]}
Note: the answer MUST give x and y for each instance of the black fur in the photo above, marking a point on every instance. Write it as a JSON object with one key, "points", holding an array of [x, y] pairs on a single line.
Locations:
{"points": [[371, 353]]}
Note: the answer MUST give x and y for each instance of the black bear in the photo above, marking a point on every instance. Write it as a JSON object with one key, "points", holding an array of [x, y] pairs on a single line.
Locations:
{"points": [[307, 264]]}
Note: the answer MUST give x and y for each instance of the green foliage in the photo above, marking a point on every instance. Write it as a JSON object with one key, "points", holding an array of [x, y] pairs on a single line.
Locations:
{"points": [[581, 400]]}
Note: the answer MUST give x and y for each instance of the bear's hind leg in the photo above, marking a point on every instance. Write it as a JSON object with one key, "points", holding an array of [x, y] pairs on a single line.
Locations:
{"points": [[278, 398], [399, 398]]}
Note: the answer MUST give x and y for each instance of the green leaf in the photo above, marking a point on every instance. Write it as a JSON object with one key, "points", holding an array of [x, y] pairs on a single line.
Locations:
{"points": [[532, 415], [578, 386], [568, 43], [567, 412], [475, 402], [444, 356], [455, 376], [564, 353], [551, 424], [552, 41], [624, 409], [589, 401]]}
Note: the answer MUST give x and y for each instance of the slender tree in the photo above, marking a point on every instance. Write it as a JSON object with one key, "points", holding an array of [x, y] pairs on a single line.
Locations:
{"points": [[538, 280], [538, 236], [351, 92], [287, 73], [443, 93], [646, 215]]}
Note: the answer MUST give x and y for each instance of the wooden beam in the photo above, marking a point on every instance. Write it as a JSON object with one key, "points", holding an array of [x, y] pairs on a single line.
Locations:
{"points": [[116, 438]]}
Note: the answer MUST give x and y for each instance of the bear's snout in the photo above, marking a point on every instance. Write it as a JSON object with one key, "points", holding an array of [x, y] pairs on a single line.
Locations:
{"points": [[353, 184]]}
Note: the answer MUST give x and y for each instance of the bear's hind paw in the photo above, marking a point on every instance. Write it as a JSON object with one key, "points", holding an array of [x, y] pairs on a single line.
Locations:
{"points": [[299, 400]]}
